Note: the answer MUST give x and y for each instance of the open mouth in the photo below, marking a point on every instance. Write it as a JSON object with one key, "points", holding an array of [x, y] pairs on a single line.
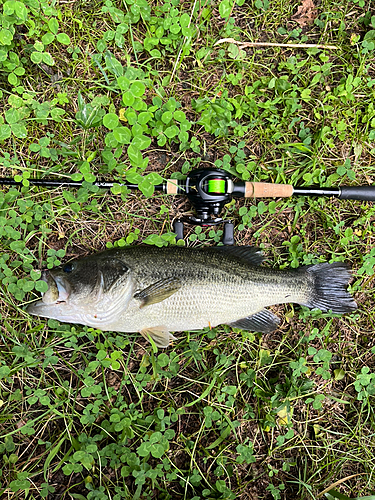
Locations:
{"points": [[58, 289]]}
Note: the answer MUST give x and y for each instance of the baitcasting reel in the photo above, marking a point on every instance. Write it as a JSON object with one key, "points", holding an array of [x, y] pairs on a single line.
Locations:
{"points": [[208, 190]]}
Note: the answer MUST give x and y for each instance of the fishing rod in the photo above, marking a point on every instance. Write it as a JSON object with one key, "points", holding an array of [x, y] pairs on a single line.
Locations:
{"points": [[208, 190]]}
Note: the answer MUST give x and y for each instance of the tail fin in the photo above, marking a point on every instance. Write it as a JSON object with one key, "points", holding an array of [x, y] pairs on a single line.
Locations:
{"points": [[329, 287]]}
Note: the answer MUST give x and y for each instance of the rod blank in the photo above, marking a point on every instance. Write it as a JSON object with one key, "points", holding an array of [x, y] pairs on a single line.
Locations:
{"points": [[240, 189]]}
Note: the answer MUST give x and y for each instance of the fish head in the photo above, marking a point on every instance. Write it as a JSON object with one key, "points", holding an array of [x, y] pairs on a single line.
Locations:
{"points": [[90, 291]]}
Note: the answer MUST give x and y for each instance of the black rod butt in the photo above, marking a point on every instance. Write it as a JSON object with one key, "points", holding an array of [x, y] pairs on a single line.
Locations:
{"points": [[364, 193]]}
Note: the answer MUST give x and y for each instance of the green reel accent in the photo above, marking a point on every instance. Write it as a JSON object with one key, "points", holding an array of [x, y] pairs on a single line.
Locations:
{"points": [[216, 186]]}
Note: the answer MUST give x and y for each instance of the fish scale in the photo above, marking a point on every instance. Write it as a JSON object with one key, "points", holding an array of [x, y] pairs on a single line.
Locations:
{"points": [[156, 291], [196, 307]]}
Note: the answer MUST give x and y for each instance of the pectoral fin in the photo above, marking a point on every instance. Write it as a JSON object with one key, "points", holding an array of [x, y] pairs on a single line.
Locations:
{"points": [[158, 291], [159, 334], [263, 321]]}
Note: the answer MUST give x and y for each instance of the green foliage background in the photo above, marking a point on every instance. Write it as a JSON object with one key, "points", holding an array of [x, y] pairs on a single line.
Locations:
{"points": [[140, 91]]}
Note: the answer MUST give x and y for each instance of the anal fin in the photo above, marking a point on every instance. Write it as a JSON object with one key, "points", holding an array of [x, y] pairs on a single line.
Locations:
{"points": [[159, 334], [263, 321]]}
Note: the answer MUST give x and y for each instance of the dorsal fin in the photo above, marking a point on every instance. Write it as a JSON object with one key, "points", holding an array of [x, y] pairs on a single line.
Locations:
{"points": [[251, 255]]}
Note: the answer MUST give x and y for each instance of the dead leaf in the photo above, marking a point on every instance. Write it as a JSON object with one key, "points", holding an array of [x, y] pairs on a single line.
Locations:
{"points": [[337, 483], [305, 14], [21, 423], [229, 40], [244, 45]]}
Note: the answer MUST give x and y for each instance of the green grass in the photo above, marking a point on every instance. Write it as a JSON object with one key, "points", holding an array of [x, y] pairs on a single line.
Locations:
{"points": [[138, 91]]}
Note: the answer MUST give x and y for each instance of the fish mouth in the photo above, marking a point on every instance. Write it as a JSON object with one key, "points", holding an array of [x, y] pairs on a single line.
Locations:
{"points": [[57, 294], [58, 289]]}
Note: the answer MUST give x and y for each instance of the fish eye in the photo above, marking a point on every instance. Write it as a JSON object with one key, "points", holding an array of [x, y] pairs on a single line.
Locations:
{"points": [[68, 268]]}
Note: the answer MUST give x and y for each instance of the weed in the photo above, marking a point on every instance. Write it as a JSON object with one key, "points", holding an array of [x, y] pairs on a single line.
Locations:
{"points": [[140, 92]]}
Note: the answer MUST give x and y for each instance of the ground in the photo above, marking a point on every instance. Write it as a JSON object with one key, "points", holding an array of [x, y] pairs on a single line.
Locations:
{"points": [[140, 91]]}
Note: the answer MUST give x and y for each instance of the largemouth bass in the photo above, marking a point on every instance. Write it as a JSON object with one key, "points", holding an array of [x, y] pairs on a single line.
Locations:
{"points": [[156, 291]]}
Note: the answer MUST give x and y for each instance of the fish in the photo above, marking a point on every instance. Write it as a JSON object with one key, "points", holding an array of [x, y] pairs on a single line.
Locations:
{"points": [[158, 291]]}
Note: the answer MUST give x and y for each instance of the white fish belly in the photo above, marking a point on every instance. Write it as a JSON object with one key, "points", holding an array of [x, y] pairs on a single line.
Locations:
{"points": [[199, 306]]}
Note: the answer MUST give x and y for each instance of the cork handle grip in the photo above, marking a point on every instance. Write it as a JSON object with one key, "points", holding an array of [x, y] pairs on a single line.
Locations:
{"points": [[267, 190], [172, 186]]}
